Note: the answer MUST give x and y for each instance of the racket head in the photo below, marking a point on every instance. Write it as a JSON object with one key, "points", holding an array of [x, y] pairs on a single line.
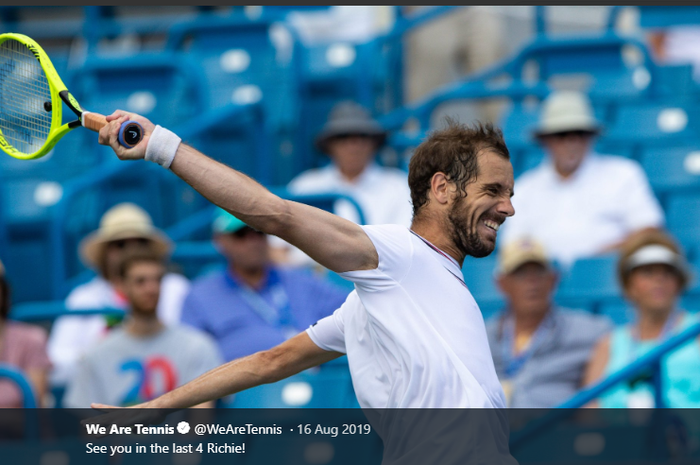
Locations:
{"points": [[30, 105]]}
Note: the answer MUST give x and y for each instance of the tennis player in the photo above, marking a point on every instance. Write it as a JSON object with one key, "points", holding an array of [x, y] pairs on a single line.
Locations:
{"points": [[412, 332]]}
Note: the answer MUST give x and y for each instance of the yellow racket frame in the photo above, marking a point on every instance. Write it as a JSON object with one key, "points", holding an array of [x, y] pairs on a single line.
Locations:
{"points": [[59, 94]]}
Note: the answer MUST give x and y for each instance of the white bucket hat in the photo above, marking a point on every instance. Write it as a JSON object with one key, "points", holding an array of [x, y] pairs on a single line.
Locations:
{"points": [[566, 111], [123, 221]]}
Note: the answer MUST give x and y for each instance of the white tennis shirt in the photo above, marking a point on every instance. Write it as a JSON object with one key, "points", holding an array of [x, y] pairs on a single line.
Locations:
{"points": [[413, 334]]}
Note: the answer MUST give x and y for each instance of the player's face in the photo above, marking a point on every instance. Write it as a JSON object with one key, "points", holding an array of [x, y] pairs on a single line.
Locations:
{"points": [[352, 154], [141, 286], [246, 249], [567, 150], [474, 220], [654, 288], [528, 289]]}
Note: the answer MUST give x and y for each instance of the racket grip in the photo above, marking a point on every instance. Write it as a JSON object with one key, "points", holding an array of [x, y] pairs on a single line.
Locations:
{"points": [[130, 134]]}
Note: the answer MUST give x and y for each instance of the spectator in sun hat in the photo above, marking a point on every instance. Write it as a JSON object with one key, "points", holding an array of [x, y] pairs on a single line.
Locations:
{"points": [[143, 358], [253, 305], [123, 228], [351, 139], [576, 201], [540, 350], [653, 273], [22, 346]]}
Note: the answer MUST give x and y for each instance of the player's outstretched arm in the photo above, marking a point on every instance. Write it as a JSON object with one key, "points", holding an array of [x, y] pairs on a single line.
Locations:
{"points": [[334, 242], [291, 357]]}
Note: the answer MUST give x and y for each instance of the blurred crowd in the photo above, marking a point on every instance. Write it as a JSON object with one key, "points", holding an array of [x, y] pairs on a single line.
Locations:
{"points": [[165, 330]]}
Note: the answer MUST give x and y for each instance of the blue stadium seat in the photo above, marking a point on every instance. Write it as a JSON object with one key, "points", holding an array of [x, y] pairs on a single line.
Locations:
{"points": [[481, 281], [618, 310], [655, 122], [672, 169], [663, 16], [240, 65], [683, 219], [589, 281]]}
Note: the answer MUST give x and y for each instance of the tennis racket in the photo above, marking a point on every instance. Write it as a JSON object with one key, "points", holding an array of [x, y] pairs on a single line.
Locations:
{"points": [[31, 102]]}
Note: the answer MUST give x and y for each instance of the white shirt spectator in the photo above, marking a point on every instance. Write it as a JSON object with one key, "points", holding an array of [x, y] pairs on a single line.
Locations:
{"points": [[381, 192], [414, 335], [71, 336], [600, 204]]}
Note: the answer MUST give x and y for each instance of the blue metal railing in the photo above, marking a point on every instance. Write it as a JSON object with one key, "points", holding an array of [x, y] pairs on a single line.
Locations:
{"points": [[18, 377], [652, 359]]}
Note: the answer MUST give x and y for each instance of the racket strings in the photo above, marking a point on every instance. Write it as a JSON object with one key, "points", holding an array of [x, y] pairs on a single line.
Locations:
{"points": [[24, 122]]}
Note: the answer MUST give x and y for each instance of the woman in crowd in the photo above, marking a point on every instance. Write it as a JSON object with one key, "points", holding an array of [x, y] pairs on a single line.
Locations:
{"points": [[653, 273], [22, 346]]}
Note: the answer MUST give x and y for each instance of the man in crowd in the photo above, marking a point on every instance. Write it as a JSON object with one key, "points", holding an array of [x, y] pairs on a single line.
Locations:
{"points": [[577, 202], [540, 350], [252, 305], [351, 139], [143, 358], [123, 228]]}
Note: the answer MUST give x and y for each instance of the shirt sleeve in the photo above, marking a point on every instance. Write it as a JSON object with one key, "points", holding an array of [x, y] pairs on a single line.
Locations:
{"points": [[329, 332], [395, 251]]}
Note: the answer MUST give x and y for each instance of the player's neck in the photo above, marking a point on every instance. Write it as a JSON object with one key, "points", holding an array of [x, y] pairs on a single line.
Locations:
{"points": [[139, 325], [433, 233]]}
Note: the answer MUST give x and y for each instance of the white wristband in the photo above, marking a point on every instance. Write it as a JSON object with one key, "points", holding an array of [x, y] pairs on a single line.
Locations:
{"points": [[162, 146]]}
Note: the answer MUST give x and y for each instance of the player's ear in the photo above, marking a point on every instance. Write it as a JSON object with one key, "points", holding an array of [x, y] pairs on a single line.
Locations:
{"points": [[440, 188]]}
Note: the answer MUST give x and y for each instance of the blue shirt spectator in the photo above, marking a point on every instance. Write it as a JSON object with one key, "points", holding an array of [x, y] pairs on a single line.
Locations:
{"points": [[252, 305]]}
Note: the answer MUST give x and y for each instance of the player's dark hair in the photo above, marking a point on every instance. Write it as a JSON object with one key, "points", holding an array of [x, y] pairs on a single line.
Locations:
{"points": [[139, 255], [452, 151]]}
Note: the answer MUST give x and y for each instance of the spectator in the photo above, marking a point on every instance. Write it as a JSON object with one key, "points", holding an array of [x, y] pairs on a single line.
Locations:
{"points": [[577, 202], [540, 350], [144, 358], [653, 273], [123, 228], [252, 305], [22, 346], [677, 45], [351, 138]]}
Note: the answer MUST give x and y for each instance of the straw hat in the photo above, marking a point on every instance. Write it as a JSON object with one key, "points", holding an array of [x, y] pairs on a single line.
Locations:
{"points": [[519, 252], [565, 111], [349, 118], [123, 221]]}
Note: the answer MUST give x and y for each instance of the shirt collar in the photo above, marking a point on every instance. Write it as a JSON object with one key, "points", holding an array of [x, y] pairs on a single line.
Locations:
{"points": [[367, 176], [455, 268]]}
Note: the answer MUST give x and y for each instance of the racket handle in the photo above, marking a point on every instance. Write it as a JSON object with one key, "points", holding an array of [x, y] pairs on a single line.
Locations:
{"points": [[130, 132]]}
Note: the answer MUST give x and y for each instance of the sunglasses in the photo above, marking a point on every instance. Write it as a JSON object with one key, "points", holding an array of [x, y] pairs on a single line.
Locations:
{"points": [[122, 243], [567, 134], [247, 231]]}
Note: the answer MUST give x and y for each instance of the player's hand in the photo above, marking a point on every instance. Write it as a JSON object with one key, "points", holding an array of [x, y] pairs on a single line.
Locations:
{"points": [[109, 135], [143, 414]]}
